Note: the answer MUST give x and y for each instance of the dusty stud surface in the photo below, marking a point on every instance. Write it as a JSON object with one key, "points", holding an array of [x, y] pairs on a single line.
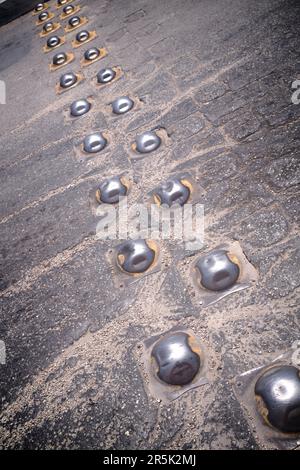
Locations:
{"points": [[172, 192], [94, 143], [122, 105], [53, 41], [67, 80], [217, 270], [92, 53], [106, 75], [59, 58], [147, 142], [82, 36], [135, 256], [74, 21], [48, 26], [80, 107], [278, 394], [111, 190], [177, 363]]}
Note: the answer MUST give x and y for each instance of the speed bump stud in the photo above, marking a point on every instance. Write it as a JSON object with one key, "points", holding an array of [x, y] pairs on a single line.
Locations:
{"points": [[49, 26], [147, 142], [177, 363], [59, 59], [92, 54], [105, 75], [43, 16], [172, 191], [111, 190], [82, 36], [53, 42], [74, 21], [39, 7], [94, 143], [68, 9], [67, 80], [218, 272], [122, 105], [277, 394], [80, 107], [135, 256]]}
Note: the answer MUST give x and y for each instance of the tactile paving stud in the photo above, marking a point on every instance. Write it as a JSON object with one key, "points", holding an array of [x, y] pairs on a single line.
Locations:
{"points": [[218, 272], [277, 394], [135, 256], [53, 41], [67, 80], [147, 142], [82, 36], [111, 190], [106, 75], [74, 21], [94, 143], [62, 2], [172, 192], [80, 107], [92, 53], [122, 105], [59, 59], [43, 16], [177, 363]]}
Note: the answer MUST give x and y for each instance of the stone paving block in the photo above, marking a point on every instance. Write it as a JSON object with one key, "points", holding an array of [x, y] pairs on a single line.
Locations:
{"points": [[291, 204], [264, 228], [178, 112], [242, 124], [284, 172], [158, 90], [38, 234], [63, 306], [210, 91], [188, 127], [220, 109], [34, 177]]}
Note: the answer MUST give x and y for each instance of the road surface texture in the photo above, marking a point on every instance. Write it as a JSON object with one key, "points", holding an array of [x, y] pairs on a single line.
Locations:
{"points": [[216, 76]]}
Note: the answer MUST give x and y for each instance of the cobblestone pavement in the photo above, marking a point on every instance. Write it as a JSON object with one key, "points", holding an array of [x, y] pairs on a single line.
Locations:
{"points": [[217, 77]]}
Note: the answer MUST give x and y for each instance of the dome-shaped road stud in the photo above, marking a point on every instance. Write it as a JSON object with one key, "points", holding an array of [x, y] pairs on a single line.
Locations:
{"points": [[177, 363], [94, 143], [111, 190], [277, 393], [39, 7], [135, 256], [218, 272], [67, 80], [122, 105], [172, 192], [147, 142], [80, 107], [105, 75]]}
